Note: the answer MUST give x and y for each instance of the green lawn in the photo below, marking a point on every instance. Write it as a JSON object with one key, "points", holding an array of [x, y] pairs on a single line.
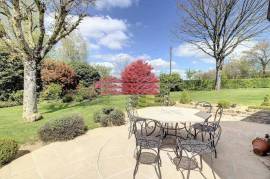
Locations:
{"points": [[12, 125], [248, 97]]}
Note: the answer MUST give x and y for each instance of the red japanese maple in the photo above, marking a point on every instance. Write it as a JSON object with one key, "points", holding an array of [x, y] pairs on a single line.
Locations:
{"points": [[109, 86], [137, 78]]}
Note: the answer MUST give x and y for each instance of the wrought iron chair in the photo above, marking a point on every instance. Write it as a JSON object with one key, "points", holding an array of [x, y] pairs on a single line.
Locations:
{"points": [[148, 135], [192, 148], [132, 113], [208, 126]]}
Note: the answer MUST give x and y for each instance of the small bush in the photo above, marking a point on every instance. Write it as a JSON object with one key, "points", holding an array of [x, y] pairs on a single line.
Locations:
{"points": [[97, 116], [224, 103], [117, 117], [68, 98], [109, 116], [86, 93], [266, 101], [65, 128], [8, 150], [185, 97], [5, 104], [52, 92], [17, 97]]}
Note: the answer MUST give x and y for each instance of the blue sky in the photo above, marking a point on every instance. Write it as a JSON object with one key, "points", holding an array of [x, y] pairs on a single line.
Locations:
{"points": [[124, 30]]}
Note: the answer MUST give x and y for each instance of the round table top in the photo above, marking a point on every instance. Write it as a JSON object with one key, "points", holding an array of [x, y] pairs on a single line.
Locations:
{"points": [[173, 114]]}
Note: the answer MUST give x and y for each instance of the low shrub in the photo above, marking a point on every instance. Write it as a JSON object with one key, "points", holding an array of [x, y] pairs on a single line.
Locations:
{"points": [[224, 103], [185, 97], [109, 117], [117, 117], [8, 150], [68, 98], [86, 93], [52, 92], [97, 116], [5, 104], [17, 97], [266, 101], [65, 128]]}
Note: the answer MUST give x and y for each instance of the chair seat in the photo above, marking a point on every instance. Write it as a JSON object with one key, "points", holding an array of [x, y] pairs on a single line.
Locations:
{"points": [[196, 146], [148, 142], [204, 127]]}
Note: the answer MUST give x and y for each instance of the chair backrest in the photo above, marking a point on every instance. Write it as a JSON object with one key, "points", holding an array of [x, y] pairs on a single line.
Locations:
{"points": [[131, 111], [214, 136], [218, 115], [146, 127], [205, 105]]}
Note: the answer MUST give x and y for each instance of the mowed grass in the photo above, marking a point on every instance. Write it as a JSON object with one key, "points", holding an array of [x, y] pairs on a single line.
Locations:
{"points": [[247, 97], [13, 126]]}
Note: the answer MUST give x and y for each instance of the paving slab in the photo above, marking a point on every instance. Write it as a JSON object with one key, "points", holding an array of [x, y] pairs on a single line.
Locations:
{"points": [[107, 153]]}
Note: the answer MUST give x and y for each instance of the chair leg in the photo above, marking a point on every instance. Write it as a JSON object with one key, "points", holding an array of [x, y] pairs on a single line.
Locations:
{"points": [[188, 174], [202, 137], [215, 153], [201, 163], [137, 163]]}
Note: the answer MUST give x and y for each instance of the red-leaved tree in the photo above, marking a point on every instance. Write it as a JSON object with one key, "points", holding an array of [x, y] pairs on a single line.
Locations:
{"points": [[109, 86], [137, 78]]}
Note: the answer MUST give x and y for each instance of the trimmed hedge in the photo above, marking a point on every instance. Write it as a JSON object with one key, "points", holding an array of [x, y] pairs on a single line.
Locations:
{"points": [[227, 84], [65, 128], [8, 150]]}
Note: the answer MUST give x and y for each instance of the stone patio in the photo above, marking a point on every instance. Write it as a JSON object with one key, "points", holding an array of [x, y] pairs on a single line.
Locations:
{"points": [[107, 153]]}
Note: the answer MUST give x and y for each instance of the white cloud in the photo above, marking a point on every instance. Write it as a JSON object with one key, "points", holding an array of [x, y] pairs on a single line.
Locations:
{"points": [[120, 61], [107, 4], [115, 58], [105, 31], [190, 51], [106, 64], [160, 63]]}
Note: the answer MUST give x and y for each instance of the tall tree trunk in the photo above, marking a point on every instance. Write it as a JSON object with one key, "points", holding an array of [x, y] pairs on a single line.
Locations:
{"points": [[219, 66], [30, 111], [264, 70]]}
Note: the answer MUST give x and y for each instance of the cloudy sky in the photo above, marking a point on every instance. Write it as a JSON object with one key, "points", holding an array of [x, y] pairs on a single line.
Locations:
{"points": [[120, 31]]}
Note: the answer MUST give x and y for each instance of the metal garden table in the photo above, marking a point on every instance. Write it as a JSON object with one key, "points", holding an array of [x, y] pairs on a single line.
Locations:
{"points": [[174, 118]]}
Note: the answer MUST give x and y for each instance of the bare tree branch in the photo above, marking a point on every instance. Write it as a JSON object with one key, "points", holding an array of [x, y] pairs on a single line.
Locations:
{"points": [[217, 27]]}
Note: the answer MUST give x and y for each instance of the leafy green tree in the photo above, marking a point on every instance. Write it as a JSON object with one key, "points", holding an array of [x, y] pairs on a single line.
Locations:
{"points": [[85, 73], [11, 75], [103, 70], [190, 74], [173, 81], [24, 31]]}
